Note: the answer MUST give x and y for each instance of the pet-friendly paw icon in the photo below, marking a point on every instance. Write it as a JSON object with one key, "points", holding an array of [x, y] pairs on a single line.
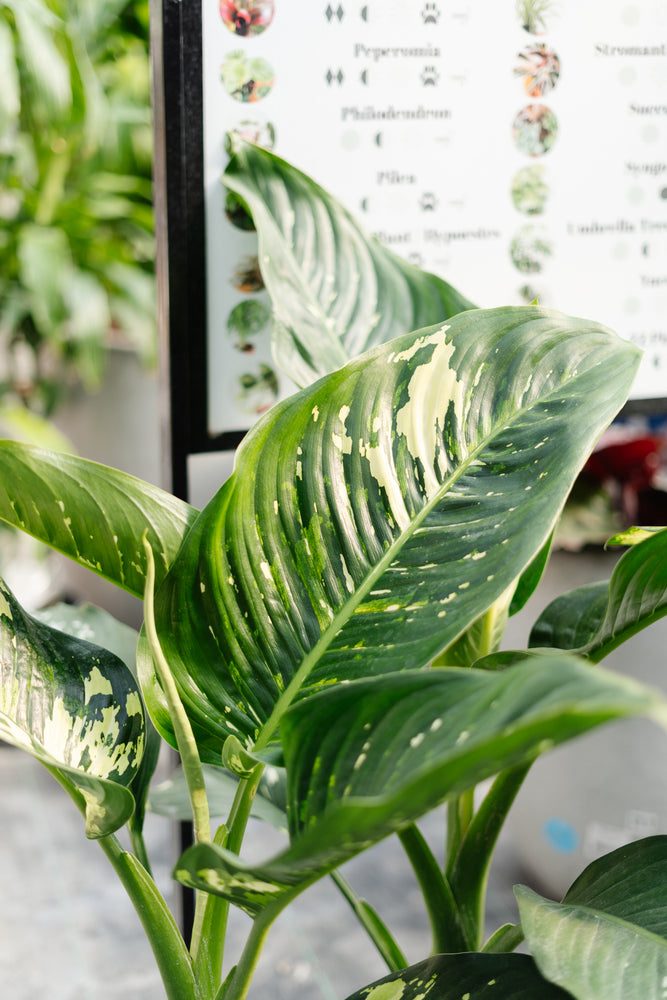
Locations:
{"points": [[429, 76], [430, 13], [428, 202]]}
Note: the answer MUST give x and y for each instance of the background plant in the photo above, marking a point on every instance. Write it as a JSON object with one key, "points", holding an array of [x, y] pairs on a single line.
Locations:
{"points": [[76, 251]]}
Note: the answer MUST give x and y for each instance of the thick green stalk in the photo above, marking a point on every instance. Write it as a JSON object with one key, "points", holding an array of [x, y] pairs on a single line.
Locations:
{"points": [[237, 984], [446, 925], [460, 811], [469, 869], [162, 932], [209, 932], [212, 912], [506, 939]]}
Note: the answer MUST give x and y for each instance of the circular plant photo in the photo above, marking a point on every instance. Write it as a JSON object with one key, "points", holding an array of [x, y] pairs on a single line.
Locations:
{"points": [[529, 190], [539, 68], [247, 17], [534, 129], [246, 80], [247, 276], [530, 249], [258, 391], [238, 214], [261, 134], [533, 15], [247, 320]]}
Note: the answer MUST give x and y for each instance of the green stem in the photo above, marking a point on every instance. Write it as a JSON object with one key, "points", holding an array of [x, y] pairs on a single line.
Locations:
{"points": [[460, 811], [238, 982], [373, 924], [209, 932], [212, 912], [139, 846], [506, 939], [164, 937], [185, 740], [441, 906], [469, 869]]}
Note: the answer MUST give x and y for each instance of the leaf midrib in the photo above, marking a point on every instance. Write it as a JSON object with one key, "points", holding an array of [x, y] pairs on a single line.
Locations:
{"points": [[349, 607]]}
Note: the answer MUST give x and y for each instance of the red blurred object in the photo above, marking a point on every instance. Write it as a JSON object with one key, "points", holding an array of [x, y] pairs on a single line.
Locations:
{"points": [[628, 468], [635, 461]]}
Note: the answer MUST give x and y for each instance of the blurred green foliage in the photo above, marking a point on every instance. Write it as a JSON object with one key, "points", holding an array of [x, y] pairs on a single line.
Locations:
{"points": [[76, 219]]}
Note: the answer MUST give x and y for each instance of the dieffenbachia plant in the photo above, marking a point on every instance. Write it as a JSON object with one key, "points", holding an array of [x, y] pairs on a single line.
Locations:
{"points": [[321, 642]]}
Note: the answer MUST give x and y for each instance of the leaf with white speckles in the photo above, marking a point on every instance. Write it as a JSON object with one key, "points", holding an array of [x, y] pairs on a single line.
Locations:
{"points": [[91, 513], [372, 517], [365, 759], [465, 977], [76, 708], [335, 290]]}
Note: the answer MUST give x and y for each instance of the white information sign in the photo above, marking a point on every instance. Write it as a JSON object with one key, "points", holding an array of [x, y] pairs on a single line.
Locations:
{"points": [[517, 148]]}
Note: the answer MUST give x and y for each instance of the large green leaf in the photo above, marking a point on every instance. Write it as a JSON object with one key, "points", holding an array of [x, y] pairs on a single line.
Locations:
{"points": [[593, 620], [365, 759], [372, 517], [630, 883], [335, 290], [592, 954], [93, 514], [465, 977], [76, 708]]}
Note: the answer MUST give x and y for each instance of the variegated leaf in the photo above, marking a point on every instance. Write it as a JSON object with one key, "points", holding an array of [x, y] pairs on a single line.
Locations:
{"points": [[335, 290], [76, 708], [372, 517], [93, 514], [367, 758], [95, 625], [465, 977]]}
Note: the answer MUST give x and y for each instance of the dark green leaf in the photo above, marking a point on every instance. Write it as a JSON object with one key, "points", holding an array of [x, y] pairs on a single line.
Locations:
{"points": [[374, 516], [530, 578], [595, 619], [93, 514], [630, 883], [365, 759], [335, 290], [465, 977], [76, 708]]}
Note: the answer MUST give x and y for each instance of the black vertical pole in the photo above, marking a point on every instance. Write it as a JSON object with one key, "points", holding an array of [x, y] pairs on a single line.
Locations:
{"points": [[180, 264]]}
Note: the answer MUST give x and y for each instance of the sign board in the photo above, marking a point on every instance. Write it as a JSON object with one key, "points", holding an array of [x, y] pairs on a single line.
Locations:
{"points": [[518, 149]]}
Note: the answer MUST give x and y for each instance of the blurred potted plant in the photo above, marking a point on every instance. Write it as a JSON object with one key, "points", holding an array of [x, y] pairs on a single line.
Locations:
{"points": [[76, 248]]}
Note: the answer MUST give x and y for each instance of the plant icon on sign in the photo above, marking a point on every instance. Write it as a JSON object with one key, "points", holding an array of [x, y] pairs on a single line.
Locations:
{"points": [[246, 18]]}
